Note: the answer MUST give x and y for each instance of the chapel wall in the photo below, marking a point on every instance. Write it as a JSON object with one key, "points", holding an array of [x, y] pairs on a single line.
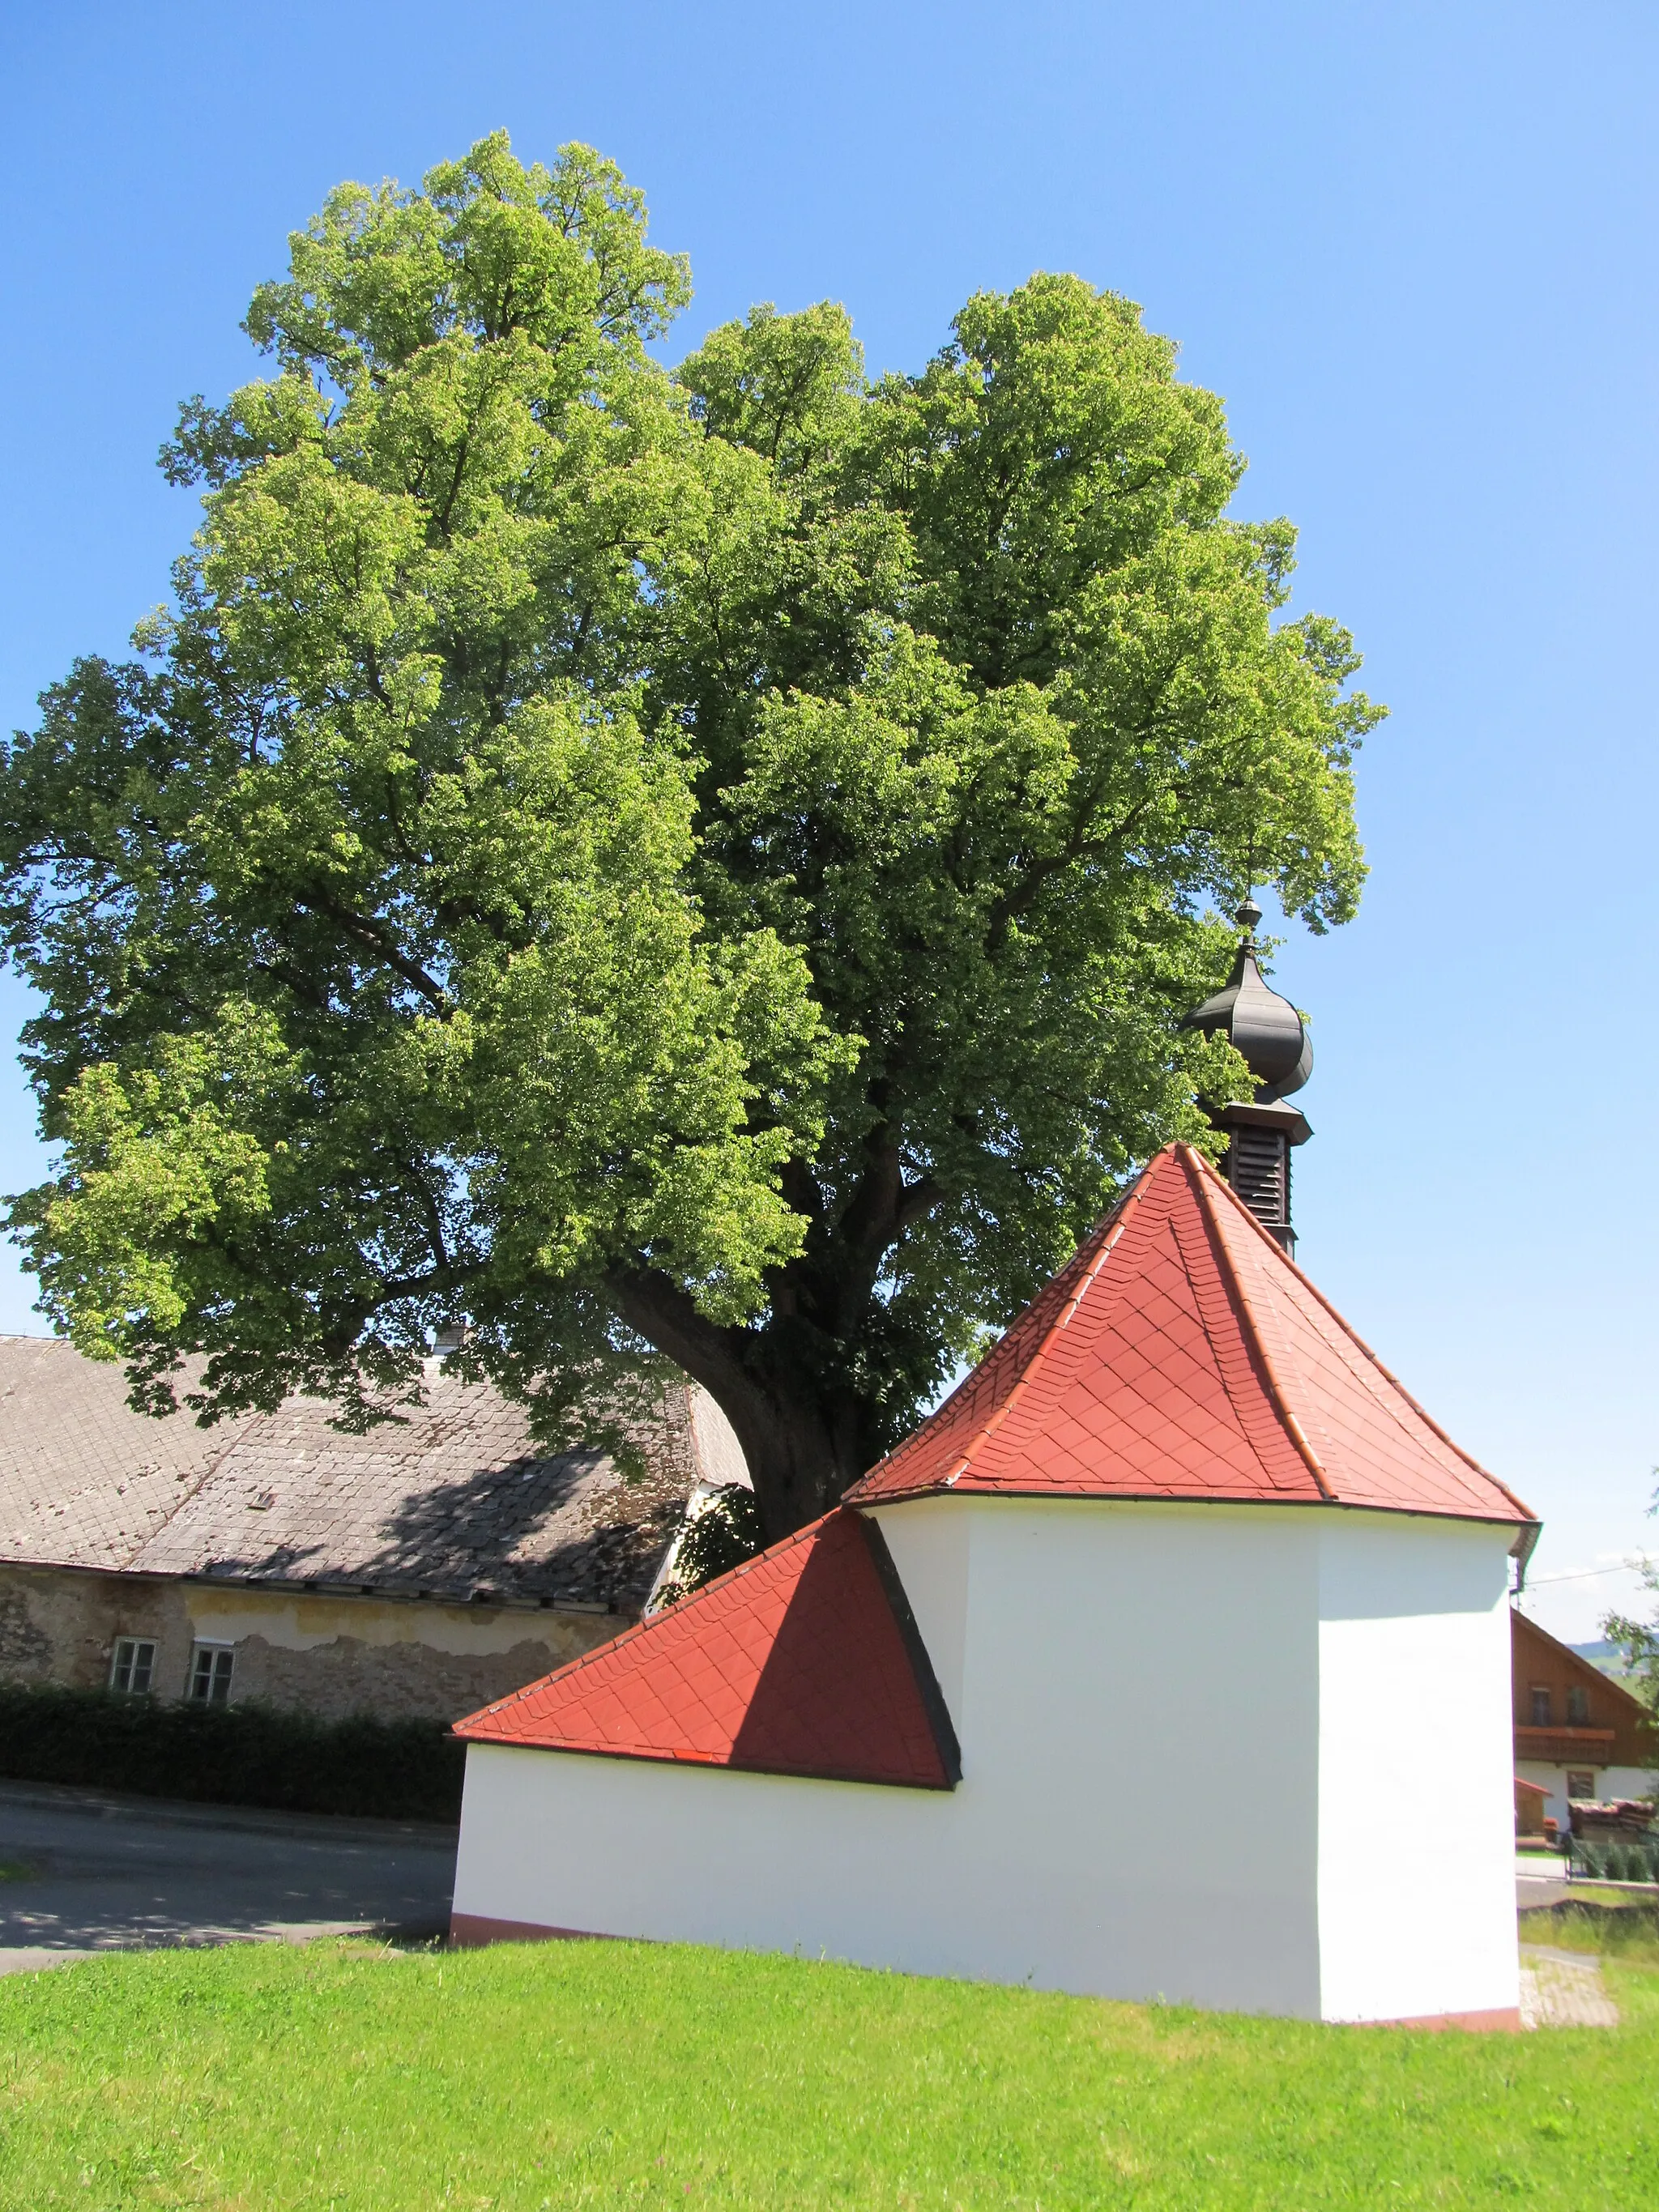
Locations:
{"points": [[1128, 1677], [1414, 1698]]}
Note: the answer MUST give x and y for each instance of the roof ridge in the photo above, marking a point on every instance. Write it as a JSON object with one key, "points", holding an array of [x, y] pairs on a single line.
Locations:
{"points": [[1358, 1341], [1109, 1232], [194, 1490], [1276, 1390], [677, 1612], [1117, 1220]]}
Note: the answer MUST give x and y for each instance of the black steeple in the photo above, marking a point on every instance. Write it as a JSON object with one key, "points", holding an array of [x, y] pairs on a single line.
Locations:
{"points": [[1270, 1034]]}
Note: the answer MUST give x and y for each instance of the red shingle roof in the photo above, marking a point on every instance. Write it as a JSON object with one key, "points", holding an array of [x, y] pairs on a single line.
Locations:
{"points": [[802, 1661], [1180, 1354]]}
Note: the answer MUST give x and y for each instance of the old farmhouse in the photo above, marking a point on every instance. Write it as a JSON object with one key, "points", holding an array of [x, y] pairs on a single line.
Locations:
{"points": [[420, 1569]]}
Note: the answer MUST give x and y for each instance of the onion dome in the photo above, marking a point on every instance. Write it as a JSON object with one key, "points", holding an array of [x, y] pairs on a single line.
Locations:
{"points": [[1264, 1028], [1262, 1131]]}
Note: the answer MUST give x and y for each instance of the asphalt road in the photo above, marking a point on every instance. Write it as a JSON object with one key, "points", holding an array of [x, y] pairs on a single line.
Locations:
{"points": [[81, 1872]]}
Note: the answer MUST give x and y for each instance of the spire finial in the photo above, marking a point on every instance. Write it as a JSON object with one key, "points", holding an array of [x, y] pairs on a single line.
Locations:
{"points": [[1248, 916]]}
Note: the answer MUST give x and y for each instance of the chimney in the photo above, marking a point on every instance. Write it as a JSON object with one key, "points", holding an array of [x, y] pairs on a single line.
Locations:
{"points": [[1262, 1131]]}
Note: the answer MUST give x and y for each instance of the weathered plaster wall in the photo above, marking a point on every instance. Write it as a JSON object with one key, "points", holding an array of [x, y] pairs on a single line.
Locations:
{"points": [[330, 1656], [396, 1681], [59, 1624]]}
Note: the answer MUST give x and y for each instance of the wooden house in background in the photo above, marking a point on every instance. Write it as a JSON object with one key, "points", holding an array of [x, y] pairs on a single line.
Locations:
{"points": [[1578, 1733]]}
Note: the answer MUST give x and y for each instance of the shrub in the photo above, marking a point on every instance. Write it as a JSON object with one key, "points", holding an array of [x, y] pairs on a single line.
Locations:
{"points": [[231, 1754]]}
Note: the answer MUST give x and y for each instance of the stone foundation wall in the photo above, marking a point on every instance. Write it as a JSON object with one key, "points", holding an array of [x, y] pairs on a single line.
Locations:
{"points": [[395, 1658], [396, 1681]]}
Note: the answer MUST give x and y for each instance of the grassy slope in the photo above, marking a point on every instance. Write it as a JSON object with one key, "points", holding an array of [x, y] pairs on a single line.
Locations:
{"points": [[611, 2075], [1611, 1924]]}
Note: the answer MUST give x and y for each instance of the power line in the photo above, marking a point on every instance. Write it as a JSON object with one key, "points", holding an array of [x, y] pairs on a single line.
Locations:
{"points": [[1588, 1574]]}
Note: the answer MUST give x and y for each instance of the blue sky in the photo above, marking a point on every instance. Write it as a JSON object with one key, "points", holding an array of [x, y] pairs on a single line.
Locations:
{"points": [[1413, 247]]}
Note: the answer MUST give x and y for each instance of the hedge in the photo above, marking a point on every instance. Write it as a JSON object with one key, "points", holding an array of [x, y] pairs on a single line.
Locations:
{"points": [[231, 1754]]}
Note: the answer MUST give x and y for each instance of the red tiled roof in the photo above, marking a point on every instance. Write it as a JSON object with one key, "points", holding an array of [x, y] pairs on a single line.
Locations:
{"points": [[1180, 1354], [802, 1661]]}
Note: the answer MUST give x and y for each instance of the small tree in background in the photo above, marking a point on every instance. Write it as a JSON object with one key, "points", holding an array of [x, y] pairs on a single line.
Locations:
{"points": [[703, 865], [1639, 1639]]}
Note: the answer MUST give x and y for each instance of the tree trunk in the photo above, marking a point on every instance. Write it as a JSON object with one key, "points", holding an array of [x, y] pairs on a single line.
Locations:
{"points": [[803, 1450], [798, 1465], [806, 1434]]}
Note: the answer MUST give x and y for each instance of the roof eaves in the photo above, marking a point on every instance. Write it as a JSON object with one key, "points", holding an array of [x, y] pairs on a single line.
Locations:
{"points": [[689, 1758], [1524, 1513], [1216, 1501]]}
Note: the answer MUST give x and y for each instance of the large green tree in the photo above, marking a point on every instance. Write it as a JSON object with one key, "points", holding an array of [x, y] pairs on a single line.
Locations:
{"points": [[706, 863]]}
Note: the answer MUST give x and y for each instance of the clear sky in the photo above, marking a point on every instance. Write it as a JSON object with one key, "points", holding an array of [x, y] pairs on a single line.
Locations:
{"points": [[1413, 246]]}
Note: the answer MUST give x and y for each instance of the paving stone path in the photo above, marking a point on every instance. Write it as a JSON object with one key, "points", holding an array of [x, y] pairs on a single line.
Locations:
{"points": [[1563, 1989]]}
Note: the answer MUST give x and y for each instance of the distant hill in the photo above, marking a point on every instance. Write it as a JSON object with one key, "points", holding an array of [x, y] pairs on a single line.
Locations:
{"points": [[1609, 1657]]}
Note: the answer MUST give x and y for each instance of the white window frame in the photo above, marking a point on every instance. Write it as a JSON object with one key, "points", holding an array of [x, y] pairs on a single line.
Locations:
{"points": [[130, 1656], [1570, 1775], [215, 1679]]}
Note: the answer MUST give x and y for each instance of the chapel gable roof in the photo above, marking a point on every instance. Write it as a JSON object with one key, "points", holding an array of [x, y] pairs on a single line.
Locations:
{"points": [[1180, 1354], [802, 1662]]}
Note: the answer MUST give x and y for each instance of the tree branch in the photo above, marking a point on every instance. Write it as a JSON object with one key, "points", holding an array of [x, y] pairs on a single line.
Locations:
{"points": [[364, 931]]}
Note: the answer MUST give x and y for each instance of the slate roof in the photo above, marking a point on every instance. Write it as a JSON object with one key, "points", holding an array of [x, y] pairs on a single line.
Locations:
{"points": [[1180, 1354], [804, 1662], [457, 1503]]}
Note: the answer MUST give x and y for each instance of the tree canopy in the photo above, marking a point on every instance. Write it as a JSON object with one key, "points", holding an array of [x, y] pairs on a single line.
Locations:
{"points": [[705, 864]]}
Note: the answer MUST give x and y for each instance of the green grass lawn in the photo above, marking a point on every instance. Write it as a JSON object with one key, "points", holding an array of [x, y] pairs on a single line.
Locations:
{"points": [[608, 2074]]}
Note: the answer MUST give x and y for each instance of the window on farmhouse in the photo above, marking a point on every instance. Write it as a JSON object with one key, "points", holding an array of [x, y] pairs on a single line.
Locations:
{"points": [[1541, 1715], [211, 1666], [1581, 1785], [1578, 1706], [132, 1666]]}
